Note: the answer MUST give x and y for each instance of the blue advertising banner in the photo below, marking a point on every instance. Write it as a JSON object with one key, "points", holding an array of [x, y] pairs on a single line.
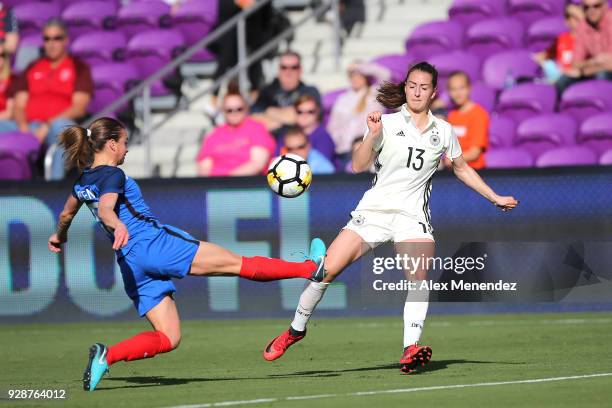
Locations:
{"points": [[566, 211]]}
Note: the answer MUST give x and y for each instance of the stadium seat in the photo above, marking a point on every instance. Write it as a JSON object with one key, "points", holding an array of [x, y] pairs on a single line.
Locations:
{"points": [[483, 95], [542, 33], [13, 166], [138, 17], [468, 12], [449, 62], [151, 50], [508, 157], [328, 99], [111, 81], [502, 131], [33, 16], [567, 156], [489, 37], [515, 63], [88, 16], [28, 51], [587, 98], [17, 151], [529, 11], [100, 47], [606, 158], [434, 38], [545, 132], [526, 100], [596, 132], [396, 63], [195, 19], [68, 3]]}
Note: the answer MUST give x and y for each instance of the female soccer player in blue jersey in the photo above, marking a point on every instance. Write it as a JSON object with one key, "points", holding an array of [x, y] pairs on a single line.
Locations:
{"points": [[149, 253]]}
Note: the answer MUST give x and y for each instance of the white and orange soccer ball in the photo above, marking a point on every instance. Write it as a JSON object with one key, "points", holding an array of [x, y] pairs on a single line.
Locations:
{"points": [[289, 175]]}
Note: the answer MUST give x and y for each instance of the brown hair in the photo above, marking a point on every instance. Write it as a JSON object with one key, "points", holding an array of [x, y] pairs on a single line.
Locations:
{"points": [[392, 95], [295, 130], [460, 73], [306, 98], [80, 148]]}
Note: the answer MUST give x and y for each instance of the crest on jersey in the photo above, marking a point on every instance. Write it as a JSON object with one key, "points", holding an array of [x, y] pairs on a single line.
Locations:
{"points": [[358, 220], [434, 139]]}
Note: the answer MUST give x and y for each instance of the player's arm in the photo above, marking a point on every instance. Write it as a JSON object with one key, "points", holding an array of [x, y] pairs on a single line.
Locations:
{"points": [[364, 153], [71, 208], [106, 214], [471, 179]]}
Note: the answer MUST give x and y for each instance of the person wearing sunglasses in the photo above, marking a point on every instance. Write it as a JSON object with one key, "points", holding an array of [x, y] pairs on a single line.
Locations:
{"points": [[308, 118], [593, 47], [240, 147], [274, 105], [52, 93], [297, 142]]}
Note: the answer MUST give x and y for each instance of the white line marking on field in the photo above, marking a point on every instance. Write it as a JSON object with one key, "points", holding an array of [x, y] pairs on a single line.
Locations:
{"points": [[394, 391]]}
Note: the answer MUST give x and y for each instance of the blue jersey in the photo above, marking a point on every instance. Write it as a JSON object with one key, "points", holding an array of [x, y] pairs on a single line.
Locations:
{"points": [[131, 208]]}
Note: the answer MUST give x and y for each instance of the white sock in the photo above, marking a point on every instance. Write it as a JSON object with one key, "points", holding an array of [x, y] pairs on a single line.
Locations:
{"points": [[311, 296], [415, 311]]}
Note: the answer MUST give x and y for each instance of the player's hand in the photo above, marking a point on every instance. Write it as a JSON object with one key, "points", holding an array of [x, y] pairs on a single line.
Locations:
{"points": [[506, 203], [55, 244], [375, 124], [121, 236]]}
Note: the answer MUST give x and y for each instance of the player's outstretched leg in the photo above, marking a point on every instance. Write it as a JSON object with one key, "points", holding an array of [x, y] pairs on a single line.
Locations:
{"points": [[214, 260], [345, 249]]}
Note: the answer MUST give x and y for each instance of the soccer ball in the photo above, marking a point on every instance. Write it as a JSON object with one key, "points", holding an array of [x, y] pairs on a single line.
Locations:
{"points": [[289, 175]]}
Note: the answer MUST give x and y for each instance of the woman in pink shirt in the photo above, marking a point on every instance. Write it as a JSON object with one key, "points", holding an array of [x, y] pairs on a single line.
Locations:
{"points": [[240, 147]]}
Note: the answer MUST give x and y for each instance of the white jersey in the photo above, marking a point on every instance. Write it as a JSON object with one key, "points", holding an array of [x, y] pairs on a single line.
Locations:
{"points": [[406, 162]]}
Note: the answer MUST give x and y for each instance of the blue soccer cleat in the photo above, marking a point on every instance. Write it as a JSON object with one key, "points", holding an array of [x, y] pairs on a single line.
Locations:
{"points": [[96, 367], [317, 255]]}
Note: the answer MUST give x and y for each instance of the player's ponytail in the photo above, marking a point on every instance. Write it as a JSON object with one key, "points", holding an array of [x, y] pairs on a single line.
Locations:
{"points": [[392, 95], [81, 144]]}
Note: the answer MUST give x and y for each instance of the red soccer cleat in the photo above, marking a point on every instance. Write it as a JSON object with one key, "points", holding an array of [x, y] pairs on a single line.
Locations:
{"points": [[413, 357], [280, 344]]}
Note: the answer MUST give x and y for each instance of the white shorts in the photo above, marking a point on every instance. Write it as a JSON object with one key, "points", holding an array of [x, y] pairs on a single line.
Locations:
{"points": [[376, 227]]}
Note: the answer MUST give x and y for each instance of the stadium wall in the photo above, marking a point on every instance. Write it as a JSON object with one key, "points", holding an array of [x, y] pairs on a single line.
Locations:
{"points": [[562, 211]]}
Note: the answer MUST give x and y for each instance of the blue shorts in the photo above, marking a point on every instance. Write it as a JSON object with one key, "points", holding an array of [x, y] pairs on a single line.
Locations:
{"points": [[154, 259]]}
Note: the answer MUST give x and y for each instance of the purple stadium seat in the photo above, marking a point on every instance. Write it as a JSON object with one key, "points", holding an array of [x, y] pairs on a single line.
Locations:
{"points": [[13, 166], [87, 16], [542, 33], [529, 11], [434, 38], [606, 158], [596, 132], [195, 19], [526, 100], [17, 151], [138, 17], [449, 62], [151, 50], [111, 81], [468, 12], [21, 143], [329, 98], [67, 3], [489, 37], [587, 98], [397, 64], [100, 47], [33, 16], [502, 131], [567, 156], [517, 63], [483, 95], [545, 132], [507, 158]]}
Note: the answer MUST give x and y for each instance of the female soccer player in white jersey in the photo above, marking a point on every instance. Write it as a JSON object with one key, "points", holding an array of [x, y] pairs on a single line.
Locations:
{"points": [[149, 253], [406, 148]]}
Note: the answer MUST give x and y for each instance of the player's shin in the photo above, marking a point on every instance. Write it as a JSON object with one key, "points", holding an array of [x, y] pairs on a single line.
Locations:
{"points": [[143, 345], [310, 298], [415, 312], [263, 269]]}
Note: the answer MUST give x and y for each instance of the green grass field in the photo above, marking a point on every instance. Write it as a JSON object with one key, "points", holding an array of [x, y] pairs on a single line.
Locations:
{"points": [[220, 361]]}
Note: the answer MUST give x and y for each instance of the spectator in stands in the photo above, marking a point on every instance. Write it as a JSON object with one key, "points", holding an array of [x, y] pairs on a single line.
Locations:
{"points": [[274, 105], [348, 115], [351, 12], [470, 121], [308, 113], [9, 31], [593, 45], [52, 93], [296, 141], [7, 85], [558, 59], [240, 147]]}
